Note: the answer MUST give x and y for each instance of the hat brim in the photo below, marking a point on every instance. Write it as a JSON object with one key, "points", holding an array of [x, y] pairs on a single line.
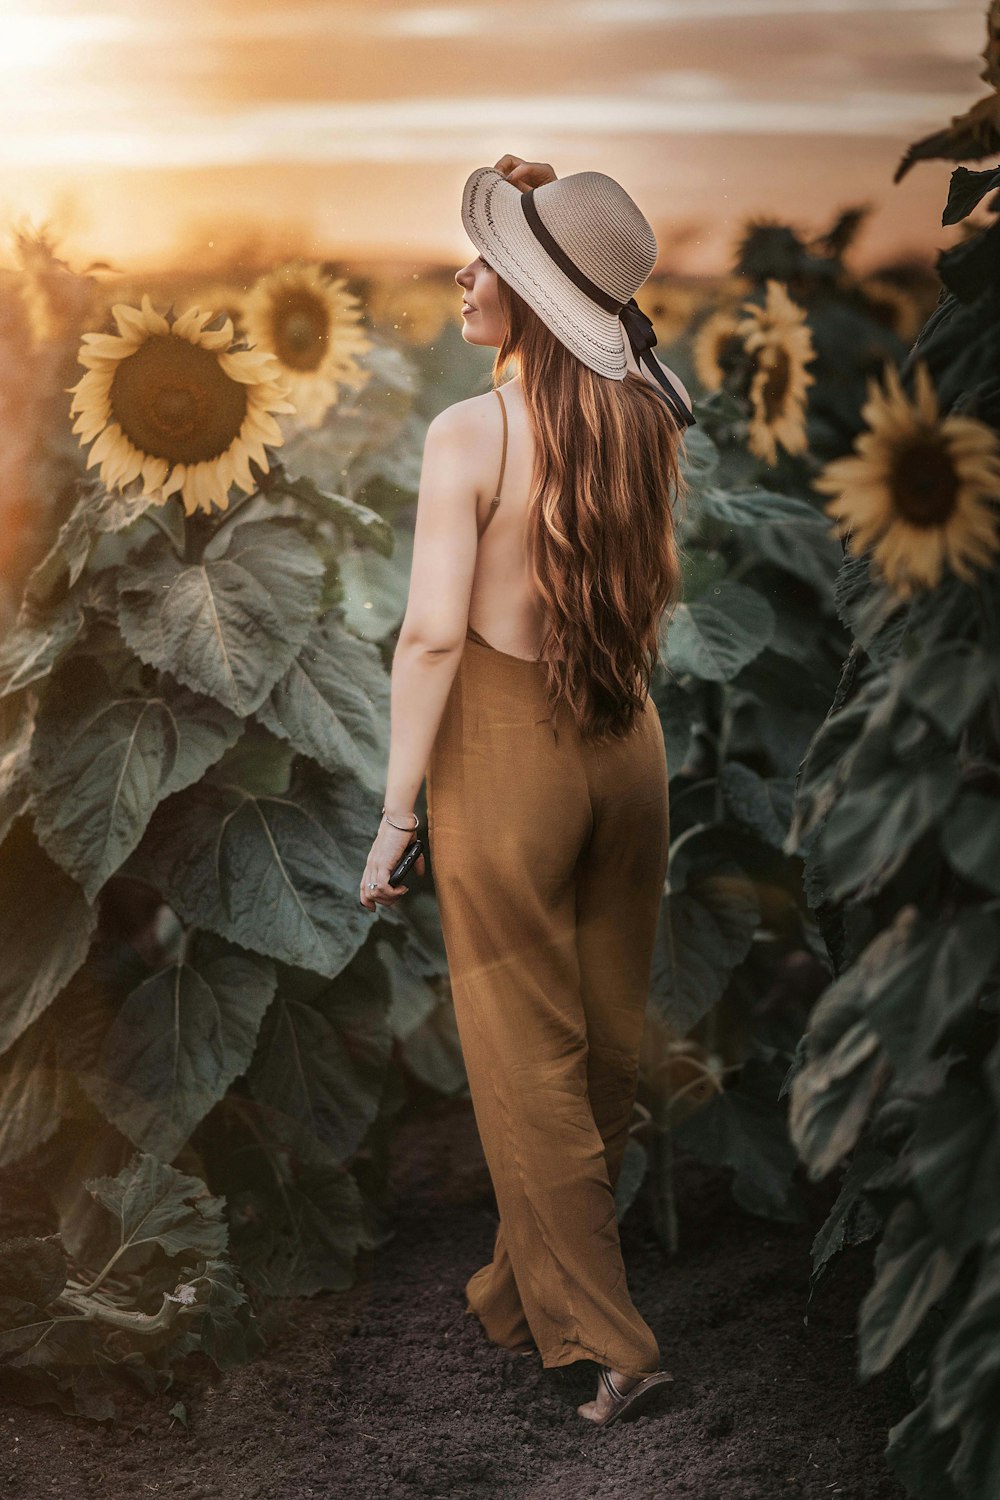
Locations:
{"points": [[495, 223]]}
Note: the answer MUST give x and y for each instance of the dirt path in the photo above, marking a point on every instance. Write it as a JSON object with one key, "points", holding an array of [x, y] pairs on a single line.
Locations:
{"points": [[392, 1391]]}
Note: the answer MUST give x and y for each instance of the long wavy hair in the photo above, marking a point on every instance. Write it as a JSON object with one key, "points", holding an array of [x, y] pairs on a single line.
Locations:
{"points": [[601, 539]]}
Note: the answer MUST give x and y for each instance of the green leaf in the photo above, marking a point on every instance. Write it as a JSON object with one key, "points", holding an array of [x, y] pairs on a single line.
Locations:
{"points": [[764, 805], [227, 1329], [413, 999], [153, 1204], [717, 634], [228, 626], [875, 822], [949, 682], [975, 1467], [333, 704], [700, 570], [970, 839], [46, 925], [34, 1092], [360, 521], [955, 1164], [376, 587], [15, 788], [966, 189], [301, 1237], [705, 930], [845, 1067], [750, 507], [852, 1220], [933, 983], [31, 1270], [743, 1127], [679, 712], [102, 760], [912, 1272], [634, 1164], [918, 1455], [872, 613], [29, 652], [699, 461], [279, 874], [323, 1050], [98, 510], [432, 1052], [968, 1356], [177, 1043]]}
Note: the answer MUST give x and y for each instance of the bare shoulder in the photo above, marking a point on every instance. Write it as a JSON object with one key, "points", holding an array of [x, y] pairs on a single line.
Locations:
{"points": [[464, 421]]}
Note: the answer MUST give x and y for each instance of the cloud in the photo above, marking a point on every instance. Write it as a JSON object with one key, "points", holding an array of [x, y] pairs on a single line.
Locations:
{"points": [[406, 129]]}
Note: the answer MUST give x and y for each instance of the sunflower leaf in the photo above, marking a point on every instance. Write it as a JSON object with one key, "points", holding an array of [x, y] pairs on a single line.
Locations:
{"points": [[293, 1237], [15, 789], [705, 930], [177, 1042], [364, 524], [34, 1092], [31, 649], [230, 625], [46, 925], [277, 873], [967, 189], [101, 760], [153, 1204], [333, 703], [718, 633], [323, 1050]]}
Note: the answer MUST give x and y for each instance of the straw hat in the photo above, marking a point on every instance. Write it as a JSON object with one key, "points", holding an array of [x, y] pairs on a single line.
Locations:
{"points": [[576, 249]]}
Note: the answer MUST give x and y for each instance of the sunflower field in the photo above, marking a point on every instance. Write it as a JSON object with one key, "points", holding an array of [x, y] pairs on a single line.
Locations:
{"points": [[205, 1041]]}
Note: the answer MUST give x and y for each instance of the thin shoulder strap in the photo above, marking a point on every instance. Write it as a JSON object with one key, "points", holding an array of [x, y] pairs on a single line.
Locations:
{"points": [[503, 461]]}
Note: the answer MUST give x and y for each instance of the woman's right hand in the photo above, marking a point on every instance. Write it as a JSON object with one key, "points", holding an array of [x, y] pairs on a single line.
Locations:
{"points": [[524, 174]]}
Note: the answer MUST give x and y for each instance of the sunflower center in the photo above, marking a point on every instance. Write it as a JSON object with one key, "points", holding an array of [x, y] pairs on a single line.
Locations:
{"points": [[774, 391], [301, 326], [173, 400], [923, 481]]}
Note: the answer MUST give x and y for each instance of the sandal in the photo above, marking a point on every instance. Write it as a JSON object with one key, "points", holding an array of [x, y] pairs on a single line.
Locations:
{"points": [[622, 1403]]}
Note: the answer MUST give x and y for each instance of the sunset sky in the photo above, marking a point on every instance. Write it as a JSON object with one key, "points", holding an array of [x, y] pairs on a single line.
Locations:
{"points": [[142, 131]]}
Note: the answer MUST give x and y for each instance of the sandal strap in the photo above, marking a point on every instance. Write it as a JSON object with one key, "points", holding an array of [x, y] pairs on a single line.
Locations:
{"points": [[615, 1392]]}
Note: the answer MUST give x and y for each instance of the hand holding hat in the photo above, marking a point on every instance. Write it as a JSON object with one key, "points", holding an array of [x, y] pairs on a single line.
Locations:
{"points": [[524, 174]]}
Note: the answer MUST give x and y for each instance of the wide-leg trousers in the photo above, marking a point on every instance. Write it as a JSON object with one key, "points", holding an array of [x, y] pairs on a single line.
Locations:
{"points": [[549, 854]]}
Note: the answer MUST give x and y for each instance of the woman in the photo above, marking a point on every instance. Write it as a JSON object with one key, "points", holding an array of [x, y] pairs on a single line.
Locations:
{"points": [[543, 561]]}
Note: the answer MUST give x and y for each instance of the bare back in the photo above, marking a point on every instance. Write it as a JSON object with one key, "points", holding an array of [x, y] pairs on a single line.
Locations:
{"points": [[504, 610]]}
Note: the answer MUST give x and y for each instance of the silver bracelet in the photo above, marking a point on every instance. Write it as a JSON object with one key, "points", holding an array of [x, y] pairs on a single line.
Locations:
{"points": [[387, 818]]}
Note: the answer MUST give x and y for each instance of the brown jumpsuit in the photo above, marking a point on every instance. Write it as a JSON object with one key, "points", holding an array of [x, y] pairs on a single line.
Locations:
{"points": [[549, 855]]}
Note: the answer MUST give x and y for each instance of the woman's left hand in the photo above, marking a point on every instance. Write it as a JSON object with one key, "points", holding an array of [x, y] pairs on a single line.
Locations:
{"points": [[385, 854]]}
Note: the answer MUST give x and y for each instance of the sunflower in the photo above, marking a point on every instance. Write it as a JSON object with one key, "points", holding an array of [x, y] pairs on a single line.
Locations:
{"points": [[311, 323], [173, 404], [668, 306], [715, 346], [417, 308], [224, 296], [778, 338], [921, 488]]}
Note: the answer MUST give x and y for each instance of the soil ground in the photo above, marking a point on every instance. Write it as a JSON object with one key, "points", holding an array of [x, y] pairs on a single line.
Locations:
{"points": [[391, 1390]]}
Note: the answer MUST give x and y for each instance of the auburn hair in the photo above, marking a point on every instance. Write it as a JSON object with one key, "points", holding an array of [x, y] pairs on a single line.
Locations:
{"points": [[601, 540]]}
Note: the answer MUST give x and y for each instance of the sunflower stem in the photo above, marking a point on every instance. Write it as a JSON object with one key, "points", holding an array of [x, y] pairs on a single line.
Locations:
{"points": [[236, 506], [198, 532]]}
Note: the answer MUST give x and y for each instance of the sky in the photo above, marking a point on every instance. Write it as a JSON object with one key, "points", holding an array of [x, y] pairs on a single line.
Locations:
{"points": [[160, 131]]}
